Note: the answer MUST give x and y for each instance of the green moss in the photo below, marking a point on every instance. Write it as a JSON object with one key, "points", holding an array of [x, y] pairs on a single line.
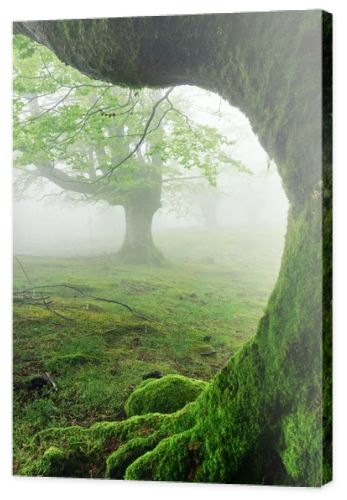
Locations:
{"points": [[238, 414], [118, 347], [265, 398], [174, 459], [69, 360], [119, 460], [165, 395], [105, 449], [302, 454], [52, 463], [80, 452]]}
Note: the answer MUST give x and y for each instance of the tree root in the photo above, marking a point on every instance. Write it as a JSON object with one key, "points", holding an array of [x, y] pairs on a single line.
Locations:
{"points": [[106, 449]]}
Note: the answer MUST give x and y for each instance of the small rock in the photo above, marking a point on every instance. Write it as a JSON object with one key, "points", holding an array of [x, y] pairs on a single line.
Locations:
{"points": [[207, 338], [154, 374], [209, 353], [36, 383]]}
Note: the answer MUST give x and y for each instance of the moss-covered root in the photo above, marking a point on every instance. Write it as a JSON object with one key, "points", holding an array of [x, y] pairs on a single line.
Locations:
{"points": [[120, 459], [165, 395], [207, 451], [244, 432], [104, 450], [237, 430], [80, 452], [51, 463], [174, 459]]}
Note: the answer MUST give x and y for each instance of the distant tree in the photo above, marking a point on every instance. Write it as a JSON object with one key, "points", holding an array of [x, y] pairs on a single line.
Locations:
{"points": [[98, 142], [194, 197]]}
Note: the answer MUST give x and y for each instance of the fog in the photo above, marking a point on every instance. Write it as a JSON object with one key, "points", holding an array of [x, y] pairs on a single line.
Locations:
{"points": [[45, 224]]}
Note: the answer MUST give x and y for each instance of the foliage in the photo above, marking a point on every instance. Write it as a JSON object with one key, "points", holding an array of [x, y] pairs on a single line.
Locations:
{"points": [[67, 124]]}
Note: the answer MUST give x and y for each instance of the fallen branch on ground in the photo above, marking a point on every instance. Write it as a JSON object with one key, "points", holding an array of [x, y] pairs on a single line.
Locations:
{"points": [[81, 292], [28, 297]]}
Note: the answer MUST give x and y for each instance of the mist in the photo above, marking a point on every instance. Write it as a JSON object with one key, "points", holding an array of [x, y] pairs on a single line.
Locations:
{"points": [[45, 223]]}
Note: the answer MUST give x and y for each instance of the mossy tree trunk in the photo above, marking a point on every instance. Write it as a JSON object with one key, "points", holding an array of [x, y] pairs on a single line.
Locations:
{"points": [[265, 415]]}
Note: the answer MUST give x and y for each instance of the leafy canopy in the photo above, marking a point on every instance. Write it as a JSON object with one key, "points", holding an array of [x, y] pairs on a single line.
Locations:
{"points": [[68, 126]]}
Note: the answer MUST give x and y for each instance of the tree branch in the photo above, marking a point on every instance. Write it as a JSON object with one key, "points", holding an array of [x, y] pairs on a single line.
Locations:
{"points": [[109, 193], [82, 122], [47, 110], [78, 290], [65, 181], [142, 138]]}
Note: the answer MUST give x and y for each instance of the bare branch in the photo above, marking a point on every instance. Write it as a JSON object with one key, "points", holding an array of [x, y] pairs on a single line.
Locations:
{"points": [[48, 195], [47, 110], [142, 138], [121, 136], [78, 290]]}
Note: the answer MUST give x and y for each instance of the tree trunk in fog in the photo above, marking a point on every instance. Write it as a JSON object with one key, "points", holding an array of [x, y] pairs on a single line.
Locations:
{"points": [[138, 246], [141, 203]]}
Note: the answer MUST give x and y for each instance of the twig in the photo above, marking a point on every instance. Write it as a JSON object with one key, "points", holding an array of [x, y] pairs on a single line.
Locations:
{"points": [[47, 306], [47, 110], [121, 136], [81, 124], [142, 138], [51, 381], [39, 301], [110, 301], [48, 195], [28, 299], [22, 268], [34, 300]]}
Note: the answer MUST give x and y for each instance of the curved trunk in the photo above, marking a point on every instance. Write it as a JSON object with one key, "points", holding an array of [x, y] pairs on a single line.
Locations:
{"points": [[265, 415]]}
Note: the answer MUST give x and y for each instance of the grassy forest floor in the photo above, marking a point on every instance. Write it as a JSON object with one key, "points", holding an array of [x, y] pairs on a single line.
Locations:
{"points": [[204, 305]]}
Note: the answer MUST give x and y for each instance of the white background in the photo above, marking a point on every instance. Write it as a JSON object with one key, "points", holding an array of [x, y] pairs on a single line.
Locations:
{"points": [[39, 488]]}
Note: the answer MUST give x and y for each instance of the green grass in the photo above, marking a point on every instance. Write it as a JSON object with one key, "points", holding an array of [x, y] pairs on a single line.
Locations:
{"points": [[216, 286]]}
